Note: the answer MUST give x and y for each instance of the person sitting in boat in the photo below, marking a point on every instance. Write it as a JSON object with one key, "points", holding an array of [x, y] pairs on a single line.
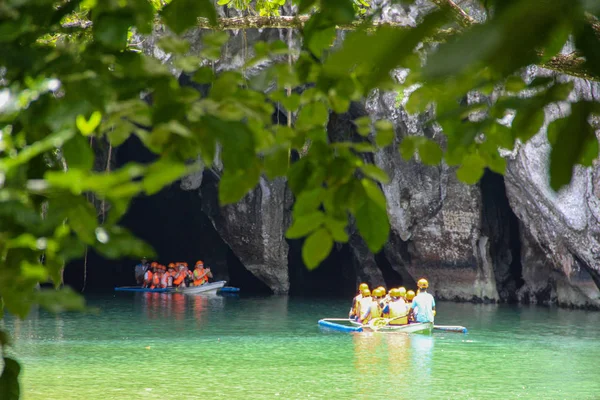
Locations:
{"points": [[364, 306], [402, 290], [410, 295], [180, 275], [383, 299], [164, 276], [397, 309], [353, 314], [201, 274], [148, 278], [374, 310], [140, 270], [170, 274], [423, 305], [156, 276]]}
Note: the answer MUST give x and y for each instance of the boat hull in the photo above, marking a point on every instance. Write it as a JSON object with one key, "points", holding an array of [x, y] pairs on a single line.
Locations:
{"points": [[206, 288], [341, 324]]}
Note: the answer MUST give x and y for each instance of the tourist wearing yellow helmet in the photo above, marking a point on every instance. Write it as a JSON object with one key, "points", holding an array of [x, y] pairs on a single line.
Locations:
{"points": [[364, 306], [353, 314], [396, 309], [423, 305], [375, 308], [402, 290]]}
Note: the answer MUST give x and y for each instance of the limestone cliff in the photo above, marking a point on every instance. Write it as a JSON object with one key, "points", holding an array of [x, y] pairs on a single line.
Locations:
{"points": [[506, 239]]}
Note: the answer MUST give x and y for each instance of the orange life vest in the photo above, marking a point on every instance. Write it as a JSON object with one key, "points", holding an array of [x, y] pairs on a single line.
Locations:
{"points": [[179, 277], [148, 278], [156, 279], [200, 277]]}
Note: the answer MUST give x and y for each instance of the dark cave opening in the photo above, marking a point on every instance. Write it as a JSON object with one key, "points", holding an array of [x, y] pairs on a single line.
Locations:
{"points": [[335, 277], [501, 226], [173, 223], [392, 278]]}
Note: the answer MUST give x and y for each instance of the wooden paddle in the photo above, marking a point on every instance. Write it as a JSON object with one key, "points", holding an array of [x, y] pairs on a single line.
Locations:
{"points": [[386, 321]]}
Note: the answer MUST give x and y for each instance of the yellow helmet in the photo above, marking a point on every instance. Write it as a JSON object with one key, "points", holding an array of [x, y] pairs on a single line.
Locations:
{"points": [[402, 291], [410, 295], [365, 292], [381, 289], [395, 292], [362, 287], [422, 283]]}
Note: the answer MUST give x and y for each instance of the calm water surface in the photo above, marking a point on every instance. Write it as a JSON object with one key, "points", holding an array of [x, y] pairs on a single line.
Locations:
{"points": [[159, 346]]}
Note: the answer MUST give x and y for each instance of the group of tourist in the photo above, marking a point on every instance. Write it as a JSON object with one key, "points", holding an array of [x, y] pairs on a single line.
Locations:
{"points": [[398, 306], [157, 276]]}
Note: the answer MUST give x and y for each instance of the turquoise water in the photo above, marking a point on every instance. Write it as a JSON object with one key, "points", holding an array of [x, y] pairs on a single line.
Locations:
{"points": [[160, 346]]}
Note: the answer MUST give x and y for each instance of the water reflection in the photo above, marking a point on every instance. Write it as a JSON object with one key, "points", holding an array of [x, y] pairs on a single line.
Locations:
{"points": [[367, 348], [398, 359]]}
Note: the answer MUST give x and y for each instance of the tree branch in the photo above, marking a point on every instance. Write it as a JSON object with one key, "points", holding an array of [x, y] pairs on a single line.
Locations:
{"points": [[571, 64], [464, 19]]}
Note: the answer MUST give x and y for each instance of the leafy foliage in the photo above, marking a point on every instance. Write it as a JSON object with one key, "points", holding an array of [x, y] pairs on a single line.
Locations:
{"points": [[68, 86]]}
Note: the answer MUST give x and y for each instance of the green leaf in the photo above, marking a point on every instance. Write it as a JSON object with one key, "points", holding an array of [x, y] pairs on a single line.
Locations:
{"points": [[408, 147], [116, 242], [363, 126], [204, 75], [471, 169], [309, 201], [78, 153], [374, 193], [587, 41], [161, 173], [312, 115], [235, 184], [277, 163], [527, 123], [179, 15], [82, 218], [514, 84], [575, 142], [430, 152], [111, 30], [337, 228], [9, 380], [304, 224], [5, 339], [316, 248], [88, 126], [60, 300], [376, 173], [385, 133], [174, 44], [373, 224]]}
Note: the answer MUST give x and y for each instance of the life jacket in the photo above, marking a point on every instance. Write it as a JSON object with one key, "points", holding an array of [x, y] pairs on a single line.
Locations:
{"points": [[398, 308], [376, 311], [200, 277], [364, 306], [164, 279], [148, 278], [179, 277], [156, 279], [354, 308]]}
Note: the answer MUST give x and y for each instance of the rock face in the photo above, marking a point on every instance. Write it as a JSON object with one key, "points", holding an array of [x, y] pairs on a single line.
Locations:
{"points": [[507, 239], [561, 243]]}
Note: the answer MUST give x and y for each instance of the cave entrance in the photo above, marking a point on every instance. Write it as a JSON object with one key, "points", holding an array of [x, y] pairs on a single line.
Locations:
{"points": [[173, 223], [501, 226], [335, 277]]}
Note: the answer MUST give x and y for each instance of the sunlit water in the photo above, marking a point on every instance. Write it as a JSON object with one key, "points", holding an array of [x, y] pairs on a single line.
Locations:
{"points": [[160, 346]]}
